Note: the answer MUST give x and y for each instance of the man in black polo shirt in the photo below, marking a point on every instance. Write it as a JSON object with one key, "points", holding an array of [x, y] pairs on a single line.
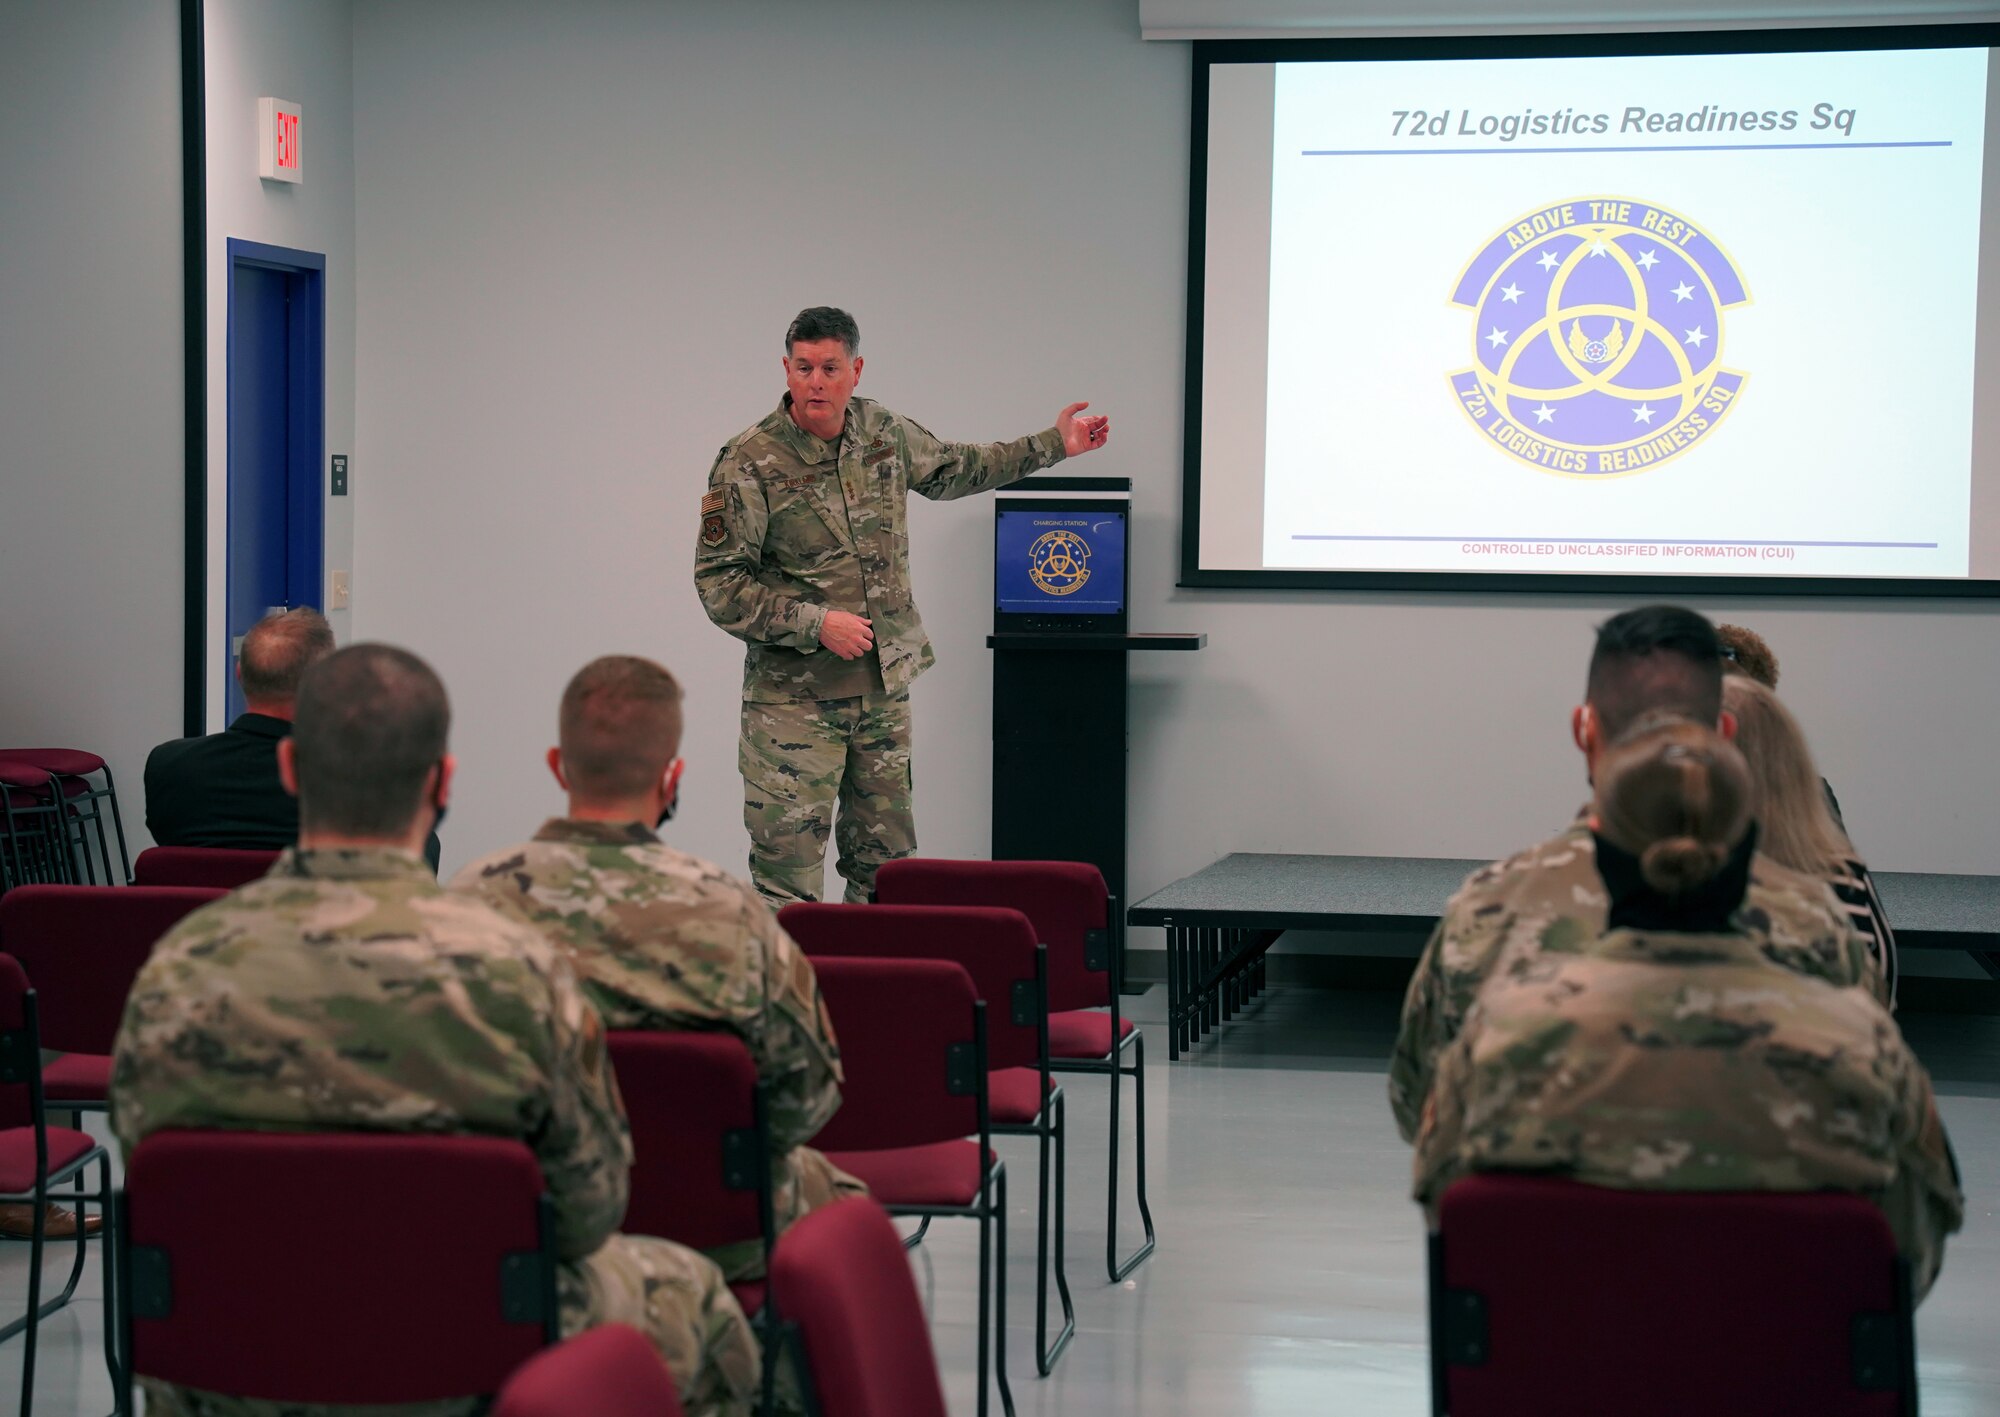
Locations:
{"points": [[223, 789]]}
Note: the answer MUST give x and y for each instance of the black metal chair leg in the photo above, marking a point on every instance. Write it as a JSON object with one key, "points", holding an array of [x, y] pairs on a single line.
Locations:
{"points": [[1000, 1293], [910, 1242], [107, 1243], [1046, 1353], [32, 1320], [1117, 1268]]}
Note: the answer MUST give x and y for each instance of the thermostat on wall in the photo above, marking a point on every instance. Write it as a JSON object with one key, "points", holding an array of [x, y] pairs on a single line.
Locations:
{"points": [[278, 140]]}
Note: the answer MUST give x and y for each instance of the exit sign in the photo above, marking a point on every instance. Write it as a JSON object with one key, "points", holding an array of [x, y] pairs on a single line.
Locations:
{"points": [[278, 140]]}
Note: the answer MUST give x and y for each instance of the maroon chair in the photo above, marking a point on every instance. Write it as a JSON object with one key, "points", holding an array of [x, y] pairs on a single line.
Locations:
{"points": [[82, 946], [1010, 970], [913, 1050], [216, 867], [611, 1371], [701, 1154], [71, 770], [853, 1315], [1568, 1300], [334, 1267], [31, 828], [1076, 918], [35, 1156]]}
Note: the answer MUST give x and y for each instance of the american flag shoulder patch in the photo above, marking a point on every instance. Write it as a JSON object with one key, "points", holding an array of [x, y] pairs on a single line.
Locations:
{"points": [[712, 502]]}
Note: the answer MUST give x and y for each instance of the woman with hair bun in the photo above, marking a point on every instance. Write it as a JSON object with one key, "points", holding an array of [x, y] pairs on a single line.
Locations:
{"points": [[1670, 1053]]}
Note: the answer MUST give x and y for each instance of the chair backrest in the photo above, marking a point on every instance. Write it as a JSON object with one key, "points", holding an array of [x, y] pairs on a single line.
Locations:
{"points": [[1549, 1296], [218, 867], [996, 947], [20, 1048], [840, 1276], [912, 1050], [1066, 900], [701, 1169], [610, 1371], [335, 1267], [83, 945]]}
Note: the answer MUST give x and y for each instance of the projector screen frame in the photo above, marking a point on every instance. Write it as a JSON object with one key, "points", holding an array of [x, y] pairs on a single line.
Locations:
{"points": [[1640, 43]]}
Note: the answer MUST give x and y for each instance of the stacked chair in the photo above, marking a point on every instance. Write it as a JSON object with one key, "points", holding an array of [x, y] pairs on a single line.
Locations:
{"points": [[35, 1156], [1076, 918], [51, 805], [31, 814], [913, 1120], [1568, 1300], [385, 1294], [998, 949]]}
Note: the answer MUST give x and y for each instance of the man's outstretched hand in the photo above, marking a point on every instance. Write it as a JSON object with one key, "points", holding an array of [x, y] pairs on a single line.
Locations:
{"points": [[849, 636], [1082, 435]]}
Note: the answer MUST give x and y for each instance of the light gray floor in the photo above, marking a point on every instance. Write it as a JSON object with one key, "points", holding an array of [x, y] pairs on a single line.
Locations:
{"points": [[1289, 1279]]}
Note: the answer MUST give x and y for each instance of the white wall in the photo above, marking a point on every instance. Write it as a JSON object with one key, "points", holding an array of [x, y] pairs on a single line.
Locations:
{"points": [[300, 50], [581, 232], [90, 381]]}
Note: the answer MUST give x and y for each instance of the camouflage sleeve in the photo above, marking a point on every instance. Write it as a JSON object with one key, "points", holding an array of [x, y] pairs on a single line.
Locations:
{"points": [[1925, 1202], [1420, 1037], [942, 471], [584, 1145], [799, 1058], [1438, 1158], [727, 557]]}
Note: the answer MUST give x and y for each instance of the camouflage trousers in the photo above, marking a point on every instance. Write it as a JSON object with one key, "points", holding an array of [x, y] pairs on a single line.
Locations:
{"points": [[678, 1299], [801, 761], [802, 1180], [668, 1292]]}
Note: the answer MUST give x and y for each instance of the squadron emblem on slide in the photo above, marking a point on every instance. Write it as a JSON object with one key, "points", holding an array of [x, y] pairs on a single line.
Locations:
{"points": [[1059, 562], [1598, 337]]}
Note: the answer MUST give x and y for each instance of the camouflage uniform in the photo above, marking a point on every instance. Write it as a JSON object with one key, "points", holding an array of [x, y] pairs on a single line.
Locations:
{"points": [[663, 940], [1657, 1061], [793, 526], [348, 991], [1550, 898]]}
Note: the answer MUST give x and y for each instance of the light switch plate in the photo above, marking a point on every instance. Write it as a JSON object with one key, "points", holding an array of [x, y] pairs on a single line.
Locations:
{"points": [[337, 594]]}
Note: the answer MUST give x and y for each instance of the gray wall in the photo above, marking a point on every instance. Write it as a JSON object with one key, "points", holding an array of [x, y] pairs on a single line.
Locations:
{"points": [[581, 232], [301, 50], [90, 380]]}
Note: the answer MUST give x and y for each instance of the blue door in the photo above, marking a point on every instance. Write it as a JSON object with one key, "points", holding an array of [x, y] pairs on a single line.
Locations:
{"points": [[276, 538]]}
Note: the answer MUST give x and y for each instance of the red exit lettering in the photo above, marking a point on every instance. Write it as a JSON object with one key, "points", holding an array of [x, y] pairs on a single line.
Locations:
{"points": [[288, 140]]}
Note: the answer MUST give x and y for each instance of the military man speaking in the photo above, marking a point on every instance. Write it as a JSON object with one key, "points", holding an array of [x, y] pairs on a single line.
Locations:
{"points": [[805, 556]]}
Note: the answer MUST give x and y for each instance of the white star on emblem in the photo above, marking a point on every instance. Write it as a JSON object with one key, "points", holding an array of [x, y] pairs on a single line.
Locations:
{"points": [[1497, 338], [1683, 291], [1648, 259], [1544, 414], [1549, 260], [1695, 337], [1643, 414], [1600, 247], [1510, 293]]}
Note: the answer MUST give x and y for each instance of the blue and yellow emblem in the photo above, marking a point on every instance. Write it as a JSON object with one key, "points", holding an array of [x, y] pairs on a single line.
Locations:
{"points": [[1059, 562], [1597, 336]]}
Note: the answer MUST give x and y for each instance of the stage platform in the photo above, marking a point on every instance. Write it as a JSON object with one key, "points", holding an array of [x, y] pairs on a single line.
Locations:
{"points": [[1221, 921]]}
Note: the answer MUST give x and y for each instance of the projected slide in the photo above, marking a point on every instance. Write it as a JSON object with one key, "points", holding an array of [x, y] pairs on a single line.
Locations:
{"points": [[1701, 314]]}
